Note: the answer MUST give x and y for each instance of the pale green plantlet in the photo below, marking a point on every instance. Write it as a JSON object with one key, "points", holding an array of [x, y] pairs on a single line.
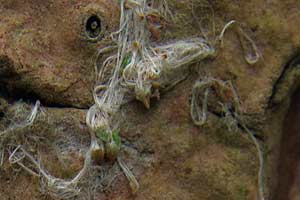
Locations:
{"points": [[127, 59], [232, 118], [112, 148], [103, 135], [130, 68], [116, 138]]}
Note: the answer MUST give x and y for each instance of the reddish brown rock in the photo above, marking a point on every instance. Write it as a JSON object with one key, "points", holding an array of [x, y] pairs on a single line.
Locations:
{"points": [[44, 50], [45, 45]]}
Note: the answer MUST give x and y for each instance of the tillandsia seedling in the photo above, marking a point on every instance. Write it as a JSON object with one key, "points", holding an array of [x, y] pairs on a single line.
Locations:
{"points": [[251, 53], [126, 61], [230, 107], [140, 68], [11, 131], [55, 187], [103, 135], [112, 144], [98, 152], [225, 93], [133, 183]]}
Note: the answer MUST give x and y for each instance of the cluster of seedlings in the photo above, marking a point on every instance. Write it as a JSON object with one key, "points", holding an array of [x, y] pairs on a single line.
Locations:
{"points": [[140, 69], [228, 101]]}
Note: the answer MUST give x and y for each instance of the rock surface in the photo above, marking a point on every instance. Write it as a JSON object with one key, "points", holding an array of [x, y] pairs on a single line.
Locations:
{"points": [[45, 54], [44, 49]]}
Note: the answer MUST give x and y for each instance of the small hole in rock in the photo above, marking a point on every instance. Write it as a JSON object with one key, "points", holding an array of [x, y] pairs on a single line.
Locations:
{"points": [[93, 27]]}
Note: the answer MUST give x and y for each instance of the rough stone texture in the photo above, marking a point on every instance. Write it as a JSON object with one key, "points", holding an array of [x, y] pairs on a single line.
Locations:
{"points": [[45, 45], [43, 51]]}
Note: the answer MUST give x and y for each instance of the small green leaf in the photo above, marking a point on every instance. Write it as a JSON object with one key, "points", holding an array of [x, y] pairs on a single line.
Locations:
{"points": [[126, 60], [116, 138], [103, 135]]}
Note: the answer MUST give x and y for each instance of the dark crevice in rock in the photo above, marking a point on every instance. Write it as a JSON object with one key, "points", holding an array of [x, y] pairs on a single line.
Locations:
{"points": [[12, 95], [12, 92], [6, 67], [31, 97], [28, 95], [293, 62], [288, 167]]}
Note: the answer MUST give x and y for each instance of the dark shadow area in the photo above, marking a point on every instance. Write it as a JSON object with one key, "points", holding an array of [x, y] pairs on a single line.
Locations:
{"points": [[288, 187], [12, 90], [14, 94], [292, 63]]}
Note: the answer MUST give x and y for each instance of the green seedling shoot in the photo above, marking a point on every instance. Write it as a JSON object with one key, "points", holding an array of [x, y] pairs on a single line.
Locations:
{"points": [[112, 143], [113, 146], [126, 60], [103, 135]]}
